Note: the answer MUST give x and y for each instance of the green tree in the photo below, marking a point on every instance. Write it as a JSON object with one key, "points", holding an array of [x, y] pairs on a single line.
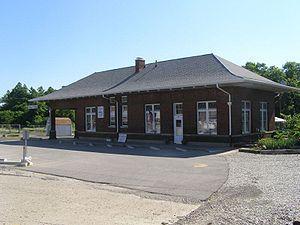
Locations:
{"points": [[66, 113], [6, 117], [287, 103], [14, 106], [16, 99], [292, 100]]}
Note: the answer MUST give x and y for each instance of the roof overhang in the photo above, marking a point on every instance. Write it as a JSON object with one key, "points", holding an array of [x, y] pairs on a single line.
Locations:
{"points": [[253, 84], [278, 88], [171, 88]]}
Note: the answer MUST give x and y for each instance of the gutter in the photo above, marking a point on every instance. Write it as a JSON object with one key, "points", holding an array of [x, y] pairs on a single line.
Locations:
{"points": [[229, 103]]}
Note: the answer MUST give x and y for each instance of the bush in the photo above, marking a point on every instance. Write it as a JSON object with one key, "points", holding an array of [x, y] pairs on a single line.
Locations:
{"points": [[291, 129], [271, 143]]}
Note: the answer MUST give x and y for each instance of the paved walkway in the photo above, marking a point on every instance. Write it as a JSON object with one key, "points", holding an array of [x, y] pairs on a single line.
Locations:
{"points": [[164, 171]]}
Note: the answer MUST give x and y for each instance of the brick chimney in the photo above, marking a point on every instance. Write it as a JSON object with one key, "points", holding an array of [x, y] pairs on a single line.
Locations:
{"points": [[139, 64]]}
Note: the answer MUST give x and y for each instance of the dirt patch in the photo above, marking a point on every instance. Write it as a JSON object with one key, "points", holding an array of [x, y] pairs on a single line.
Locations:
{"points": [[30, 198]]}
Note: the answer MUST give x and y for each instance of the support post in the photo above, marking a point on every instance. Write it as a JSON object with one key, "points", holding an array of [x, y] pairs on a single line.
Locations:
{"points": [[52, 134], [76, 124]]}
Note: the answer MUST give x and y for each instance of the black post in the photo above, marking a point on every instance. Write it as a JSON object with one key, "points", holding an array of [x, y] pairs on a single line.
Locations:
{"points": [[52, 134], [76, 132]]}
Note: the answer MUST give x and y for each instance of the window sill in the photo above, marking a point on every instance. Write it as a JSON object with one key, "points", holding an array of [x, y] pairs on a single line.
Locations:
{"points": [[112, 126], [207, 134], [124, 126]]}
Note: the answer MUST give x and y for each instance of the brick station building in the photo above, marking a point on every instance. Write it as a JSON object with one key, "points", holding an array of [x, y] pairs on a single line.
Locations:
{"points": [[199, 98]]}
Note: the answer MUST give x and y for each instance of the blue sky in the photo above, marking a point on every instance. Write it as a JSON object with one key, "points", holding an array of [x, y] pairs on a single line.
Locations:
{"points": [[53, 43]]}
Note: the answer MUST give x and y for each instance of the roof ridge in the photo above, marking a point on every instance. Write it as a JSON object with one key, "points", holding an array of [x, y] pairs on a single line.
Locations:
{"points": [[95, 73], [120, 83], [244, 78], [126, 67], [187, 57], [149, 64], [167, 60], [217, 58]]}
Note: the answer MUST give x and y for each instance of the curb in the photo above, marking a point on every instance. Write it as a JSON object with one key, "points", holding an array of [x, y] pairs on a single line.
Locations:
{"points": [[270, 152]]}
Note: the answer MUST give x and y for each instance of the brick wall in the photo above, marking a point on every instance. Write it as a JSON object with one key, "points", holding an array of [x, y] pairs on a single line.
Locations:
{"points": [[189, 98], [255, 97]]}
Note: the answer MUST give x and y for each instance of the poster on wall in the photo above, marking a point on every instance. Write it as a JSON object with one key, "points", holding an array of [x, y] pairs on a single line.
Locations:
{"points": [[122, 138], [100, 112]]}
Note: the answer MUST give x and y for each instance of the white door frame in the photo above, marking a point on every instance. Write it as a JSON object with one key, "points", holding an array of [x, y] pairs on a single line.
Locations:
{"points": [[244, 110], [153, 123], [90, 114], [177, 138]]}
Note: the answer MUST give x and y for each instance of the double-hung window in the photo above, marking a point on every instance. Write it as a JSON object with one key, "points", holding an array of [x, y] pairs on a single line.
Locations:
{"points": [[152, 119], [112, 115], [90, 119], [246, 117], [207, 117], [124, 115], [263, 114], [112, 111]]}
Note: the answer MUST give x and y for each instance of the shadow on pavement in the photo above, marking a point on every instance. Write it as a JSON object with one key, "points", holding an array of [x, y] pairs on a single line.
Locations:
{"points": [[145, 149]]}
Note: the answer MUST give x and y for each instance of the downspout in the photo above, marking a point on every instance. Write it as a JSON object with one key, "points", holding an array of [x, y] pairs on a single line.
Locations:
{"points": [[229, 103], [117, 113]]}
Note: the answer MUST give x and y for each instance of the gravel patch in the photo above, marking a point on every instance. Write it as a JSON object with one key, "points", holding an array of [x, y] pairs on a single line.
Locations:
{"points": [[261, 189]]}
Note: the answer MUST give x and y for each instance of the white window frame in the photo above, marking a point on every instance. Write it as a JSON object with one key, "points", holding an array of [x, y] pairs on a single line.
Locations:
{"points": [[112, 100], [206, 110], [124, 99], [90, 114], [153, 124], [244, 110], [262, 110], [175, 108], [124, 125], [110, 117]]}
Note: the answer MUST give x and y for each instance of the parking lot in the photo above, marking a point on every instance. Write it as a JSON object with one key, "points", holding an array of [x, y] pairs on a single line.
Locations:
{"points": [[146, 184], [177, 173]]}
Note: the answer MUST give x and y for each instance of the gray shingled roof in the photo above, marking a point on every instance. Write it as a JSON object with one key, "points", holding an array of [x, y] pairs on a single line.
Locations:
{"points": [[195, 71]]}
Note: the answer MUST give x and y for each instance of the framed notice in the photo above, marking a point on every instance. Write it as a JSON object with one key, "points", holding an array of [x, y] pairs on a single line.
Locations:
{"points": [[33, 107], [122, 138], [100, 112]]}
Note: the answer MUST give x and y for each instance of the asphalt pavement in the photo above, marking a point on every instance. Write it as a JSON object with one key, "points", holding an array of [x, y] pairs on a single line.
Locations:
{"points": [[179, 173]]}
